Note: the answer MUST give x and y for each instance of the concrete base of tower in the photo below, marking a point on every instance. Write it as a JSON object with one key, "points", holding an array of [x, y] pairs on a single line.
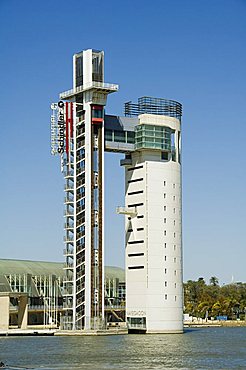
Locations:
{"points": [[165, 331], [165, 327], [155, 327], [141, 331]]}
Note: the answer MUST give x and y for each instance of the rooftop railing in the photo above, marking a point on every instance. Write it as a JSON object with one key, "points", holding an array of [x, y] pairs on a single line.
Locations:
{"points": [[90, 85], [158, 106]]}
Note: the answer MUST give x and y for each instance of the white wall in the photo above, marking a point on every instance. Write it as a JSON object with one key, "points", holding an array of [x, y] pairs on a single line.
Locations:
{"points": [[155, 292]]}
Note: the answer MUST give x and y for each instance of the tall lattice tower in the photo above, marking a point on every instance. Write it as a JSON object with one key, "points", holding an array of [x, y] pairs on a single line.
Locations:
{"points": [[78, 136]]}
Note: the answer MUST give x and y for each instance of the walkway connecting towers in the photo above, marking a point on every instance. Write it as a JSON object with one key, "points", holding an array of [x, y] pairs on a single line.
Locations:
{"points": [[150, 136]]}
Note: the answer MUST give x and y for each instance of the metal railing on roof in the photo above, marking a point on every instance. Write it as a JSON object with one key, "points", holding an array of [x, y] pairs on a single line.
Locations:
{"points": [[158, 106], [87, 86]]}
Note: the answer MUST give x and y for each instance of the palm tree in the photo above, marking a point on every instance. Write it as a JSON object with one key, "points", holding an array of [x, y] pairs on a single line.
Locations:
{"points": [[203, 307], [216, 309], [214, 281]]}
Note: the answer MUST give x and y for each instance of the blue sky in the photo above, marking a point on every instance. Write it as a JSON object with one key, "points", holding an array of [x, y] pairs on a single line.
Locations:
{"points": [[187, 50]]}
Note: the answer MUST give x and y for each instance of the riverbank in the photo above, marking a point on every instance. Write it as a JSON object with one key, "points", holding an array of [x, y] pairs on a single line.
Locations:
{"points": [[112, 331], [91, 332], [214, 323], [58, 332], [27, 332]]}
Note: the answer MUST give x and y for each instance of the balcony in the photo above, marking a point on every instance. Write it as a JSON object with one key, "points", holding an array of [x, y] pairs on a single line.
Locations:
{"points": [[80, 235], [67, 320], [68, 226], [80, 220], [80, 131], [68, 174], [80, 209], [80, 274], [115, 307], [80, 157], [80, 261], [68, 265], [79, 288], [105, 87], [69, 187], [80, 144], [80, 183], [68, 239], [126, 162], [67, 281], [126, 211], [80, 247], [80, 301], [68, 200], [68, 213], [80, 170], [80, 196], [67, 252], [68, 291], [67, 306]]}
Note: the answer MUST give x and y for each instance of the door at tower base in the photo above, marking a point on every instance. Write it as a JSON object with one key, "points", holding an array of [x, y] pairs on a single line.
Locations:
{"points": [[154, 291]]}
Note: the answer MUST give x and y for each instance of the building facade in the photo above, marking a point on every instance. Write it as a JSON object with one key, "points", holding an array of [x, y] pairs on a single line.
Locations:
{"points": [[31, 294], [154, 292], [81, 145], [150, 137]]}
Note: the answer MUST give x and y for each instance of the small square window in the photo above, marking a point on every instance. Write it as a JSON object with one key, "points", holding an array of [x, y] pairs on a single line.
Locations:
{"points": [[165, 208], [164, 195], [164, 183], [164, 156], [174, 186], [174, 260], [165, 258], [165, 296], [165, 220], [174, 197], [174, 247], [175, 298], [165, 232], [175, 272], [174, 222], [175, 285], [165, 283], [174, 235], [165, 271], [174, 210], [165, 245]]}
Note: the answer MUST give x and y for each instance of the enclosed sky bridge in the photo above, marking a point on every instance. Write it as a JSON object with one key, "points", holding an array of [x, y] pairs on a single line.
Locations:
{"points": [[124, 135]]}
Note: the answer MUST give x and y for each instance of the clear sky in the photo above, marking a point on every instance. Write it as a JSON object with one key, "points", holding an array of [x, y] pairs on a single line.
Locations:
{"points": [[187, 50]]}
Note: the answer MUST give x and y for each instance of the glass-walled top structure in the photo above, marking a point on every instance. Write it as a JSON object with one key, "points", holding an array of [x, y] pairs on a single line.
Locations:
{"points": [[152, 137], [150, 105]]}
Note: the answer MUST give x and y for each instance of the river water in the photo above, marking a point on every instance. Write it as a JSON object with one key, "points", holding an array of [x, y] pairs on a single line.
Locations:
{"points": [[198, 348]]}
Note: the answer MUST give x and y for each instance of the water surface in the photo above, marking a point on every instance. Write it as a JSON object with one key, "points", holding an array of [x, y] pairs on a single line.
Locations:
{"points": [[202, 348]]}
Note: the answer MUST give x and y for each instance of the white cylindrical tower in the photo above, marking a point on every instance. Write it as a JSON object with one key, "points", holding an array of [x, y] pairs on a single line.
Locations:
{"points": [[154, 292]]}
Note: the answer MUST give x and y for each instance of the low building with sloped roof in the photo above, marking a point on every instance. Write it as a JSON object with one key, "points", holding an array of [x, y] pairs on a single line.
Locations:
{"points": [[42, 283]]}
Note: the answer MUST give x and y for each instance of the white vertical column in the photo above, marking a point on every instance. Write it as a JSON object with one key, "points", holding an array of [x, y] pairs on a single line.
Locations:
{"points": [[74, 215], [87, 108], [102, 212]]}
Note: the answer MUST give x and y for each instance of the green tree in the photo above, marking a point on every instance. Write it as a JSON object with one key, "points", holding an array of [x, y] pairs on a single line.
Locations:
{"points": [[214, 281], [200, 298]]}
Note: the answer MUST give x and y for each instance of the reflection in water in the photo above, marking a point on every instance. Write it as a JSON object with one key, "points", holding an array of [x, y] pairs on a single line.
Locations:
{"points": [[211, 348]]}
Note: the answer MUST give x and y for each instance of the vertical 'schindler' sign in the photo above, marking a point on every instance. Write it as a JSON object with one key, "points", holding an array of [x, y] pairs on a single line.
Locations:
{"points": [[57, 128]]}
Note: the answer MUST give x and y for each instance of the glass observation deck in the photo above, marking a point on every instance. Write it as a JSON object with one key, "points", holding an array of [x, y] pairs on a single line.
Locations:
{"points": [[125, 136], [152, 137]]}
